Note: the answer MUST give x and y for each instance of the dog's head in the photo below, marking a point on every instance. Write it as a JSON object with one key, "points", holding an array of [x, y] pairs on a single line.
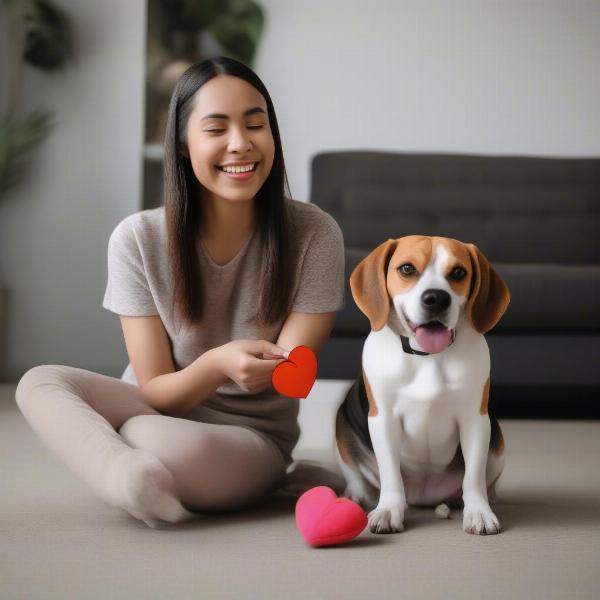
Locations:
{"points": [[428, 281]]}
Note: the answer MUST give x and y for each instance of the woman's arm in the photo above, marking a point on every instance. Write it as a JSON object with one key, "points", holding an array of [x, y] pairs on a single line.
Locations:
{"points": [[162, 387], [177, 392], [306, 329]]}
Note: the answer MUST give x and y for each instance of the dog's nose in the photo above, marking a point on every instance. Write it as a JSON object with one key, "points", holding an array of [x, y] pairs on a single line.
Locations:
{"points": [[435, 301]]}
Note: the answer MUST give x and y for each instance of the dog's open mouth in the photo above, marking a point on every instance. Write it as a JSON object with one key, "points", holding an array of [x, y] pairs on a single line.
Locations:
{"points": [[433, 337]]}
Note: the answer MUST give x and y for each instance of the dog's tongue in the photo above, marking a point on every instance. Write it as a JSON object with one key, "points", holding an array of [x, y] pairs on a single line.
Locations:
{"points": [[433, 337]]}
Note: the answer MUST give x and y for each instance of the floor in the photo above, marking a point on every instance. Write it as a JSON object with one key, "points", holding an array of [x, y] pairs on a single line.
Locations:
{"points": [[58, 541]]}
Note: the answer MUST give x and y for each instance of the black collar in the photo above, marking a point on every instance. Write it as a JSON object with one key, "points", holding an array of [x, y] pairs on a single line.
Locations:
{"points": [[406, 345]]}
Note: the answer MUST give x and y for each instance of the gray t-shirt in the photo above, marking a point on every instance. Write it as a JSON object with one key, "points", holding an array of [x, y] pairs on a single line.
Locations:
{"points": [[140, 284]]}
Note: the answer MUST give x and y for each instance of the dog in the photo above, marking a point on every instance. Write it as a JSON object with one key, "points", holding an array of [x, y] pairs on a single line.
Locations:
{"points": [[414, 429]]}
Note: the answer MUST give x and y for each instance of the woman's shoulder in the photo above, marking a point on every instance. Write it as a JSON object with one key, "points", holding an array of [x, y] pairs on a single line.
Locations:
{"points": [[308, 218], [143, 227]]}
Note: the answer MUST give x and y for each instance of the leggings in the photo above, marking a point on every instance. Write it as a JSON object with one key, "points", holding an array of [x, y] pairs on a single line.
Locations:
{"points": [[158, 468]]}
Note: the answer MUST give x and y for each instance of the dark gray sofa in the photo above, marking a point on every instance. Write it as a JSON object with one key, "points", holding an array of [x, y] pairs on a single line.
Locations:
{"points": [[536, 219]]}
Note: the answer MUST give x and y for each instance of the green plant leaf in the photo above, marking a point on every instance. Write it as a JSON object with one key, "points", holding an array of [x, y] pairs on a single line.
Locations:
{"points": [[238, 28], [235, 24], [18, 138], [191, 16]]}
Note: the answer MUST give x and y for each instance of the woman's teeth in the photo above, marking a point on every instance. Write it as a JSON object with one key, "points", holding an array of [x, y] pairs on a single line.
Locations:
{"points": [[238, 169]]}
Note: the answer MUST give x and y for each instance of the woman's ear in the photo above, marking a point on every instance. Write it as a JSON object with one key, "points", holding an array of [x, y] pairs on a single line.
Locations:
{"points": [[369, 287], [183, 150], [489, 296]]}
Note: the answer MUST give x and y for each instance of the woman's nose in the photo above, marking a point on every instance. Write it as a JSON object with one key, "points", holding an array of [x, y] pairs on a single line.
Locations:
{"points": [[238, 141]]}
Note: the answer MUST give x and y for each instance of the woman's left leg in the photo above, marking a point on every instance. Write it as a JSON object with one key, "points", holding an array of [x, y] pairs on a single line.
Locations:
{"points": [[215, 467]]}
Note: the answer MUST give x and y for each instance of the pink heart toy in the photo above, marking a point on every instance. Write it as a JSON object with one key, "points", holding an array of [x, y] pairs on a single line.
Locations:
{"points": [[325, 520]]}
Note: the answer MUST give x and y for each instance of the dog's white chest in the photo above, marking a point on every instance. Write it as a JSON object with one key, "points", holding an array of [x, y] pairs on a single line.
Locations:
{"points": [[424, 394], [427, 382], [403, 378]]}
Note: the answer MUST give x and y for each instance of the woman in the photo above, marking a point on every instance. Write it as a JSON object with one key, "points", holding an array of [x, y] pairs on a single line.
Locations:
{"points": [[212, 290]]}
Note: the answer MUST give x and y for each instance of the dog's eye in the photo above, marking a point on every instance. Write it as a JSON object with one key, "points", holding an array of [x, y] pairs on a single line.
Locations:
{"points": [[458, 273], [407, 269]]}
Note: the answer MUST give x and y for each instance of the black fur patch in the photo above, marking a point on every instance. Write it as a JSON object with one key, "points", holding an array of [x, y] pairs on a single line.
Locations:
{"points": [[495, 432], [355, 409]]}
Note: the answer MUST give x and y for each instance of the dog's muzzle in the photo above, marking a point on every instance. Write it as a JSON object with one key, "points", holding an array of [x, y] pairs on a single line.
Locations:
{"points": [[433, 336]]}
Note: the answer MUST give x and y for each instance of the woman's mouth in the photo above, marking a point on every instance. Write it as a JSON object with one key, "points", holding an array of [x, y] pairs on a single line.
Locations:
{"points": [[239, 172]]}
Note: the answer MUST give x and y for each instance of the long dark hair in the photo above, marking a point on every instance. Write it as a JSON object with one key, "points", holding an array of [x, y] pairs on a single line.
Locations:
{"points": [[182, 200]]}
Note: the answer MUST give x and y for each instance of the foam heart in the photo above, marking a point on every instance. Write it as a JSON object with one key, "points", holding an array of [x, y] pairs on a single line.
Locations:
{"points": [[325, 520], [295, 377]]}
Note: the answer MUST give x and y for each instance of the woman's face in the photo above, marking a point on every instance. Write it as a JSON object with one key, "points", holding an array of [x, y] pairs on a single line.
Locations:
{"points": [[229, 140]]}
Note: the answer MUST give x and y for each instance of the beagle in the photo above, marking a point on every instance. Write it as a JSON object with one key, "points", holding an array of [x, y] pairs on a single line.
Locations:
{"points": [[414, 428]]}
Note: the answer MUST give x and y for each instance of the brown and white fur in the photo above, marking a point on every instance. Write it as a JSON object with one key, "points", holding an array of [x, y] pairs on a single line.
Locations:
{"points": [[415, 429]]}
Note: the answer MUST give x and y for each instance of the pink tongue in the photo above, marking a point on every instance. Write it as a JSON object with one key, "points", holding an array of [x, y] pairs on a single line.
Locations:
{"points": [[433, 339]]}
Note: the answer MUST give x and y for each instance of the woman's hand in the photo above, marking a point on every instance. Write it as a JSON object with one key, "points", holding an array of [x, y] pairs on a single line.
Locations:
{"points": [[249, 363]]}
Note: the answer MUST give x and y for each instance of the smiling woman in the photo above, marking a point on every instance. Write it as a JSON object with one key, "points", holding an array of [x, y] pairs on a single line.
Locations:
{"points": [[233, 146], [222, 122], [213, 290]]}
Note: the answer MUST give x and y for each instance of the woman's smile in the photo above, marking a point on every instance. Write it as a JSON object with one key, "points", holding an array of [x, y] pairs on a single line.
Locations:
{"points": [[229, 140], [241, 171]]}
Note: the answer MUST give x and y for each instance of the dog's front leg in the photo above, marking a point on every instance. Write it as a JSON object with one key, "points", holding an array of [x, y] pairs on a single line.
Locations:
{"points": [[474, 440], [388, 516]]}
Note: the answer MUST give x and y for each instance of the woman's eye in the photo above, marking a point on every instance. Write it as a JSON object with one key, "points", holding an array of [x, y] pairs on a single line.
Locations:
{"points": [[458, 273], [255, 126], [215, 130], [407, 269]]}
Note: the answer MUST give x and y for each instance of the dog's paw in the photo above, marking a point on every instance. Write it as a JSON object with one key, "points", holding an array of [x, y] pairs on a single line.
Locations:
{"points": [[387, 518], [479, 519]]}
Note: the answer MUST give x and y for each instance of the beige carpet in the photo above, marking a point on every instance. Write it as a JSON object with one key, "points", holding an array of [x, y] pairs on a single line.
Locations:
{"points": [[58, 541]]}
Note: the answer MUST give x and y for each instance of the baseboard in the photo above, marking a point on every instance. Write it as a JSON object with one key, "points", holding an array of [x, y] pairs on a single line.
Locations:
{"points": [[553, 402]]}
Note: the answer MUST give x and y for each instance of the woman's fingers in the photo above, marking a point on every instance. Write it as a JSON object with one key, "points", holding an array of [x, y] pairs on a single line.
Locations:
{"points": [[264, 365], [250, 363], [276, 356], [258, 382], [268, 350]]}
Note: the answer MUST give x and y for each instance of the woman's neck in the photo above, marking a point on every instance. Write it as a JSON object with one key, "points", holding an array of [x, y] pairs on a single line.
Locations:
{"points": [[226, 226]]}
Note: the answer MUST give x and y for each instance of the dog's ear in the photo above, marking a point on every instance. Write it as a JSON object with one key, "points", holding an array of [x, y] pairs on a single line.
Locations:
{"points": [[369, 287], [489, 295]]}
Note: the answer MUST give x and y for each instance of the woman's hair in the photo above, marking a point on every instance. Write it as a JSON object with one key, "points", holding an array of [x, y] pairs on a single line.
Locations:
{"points": [[183, 210]]}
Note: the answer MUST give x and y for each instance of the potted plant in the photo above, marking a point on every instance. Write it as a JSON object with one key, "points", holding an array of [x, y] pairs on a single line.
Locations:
{"points": [[182, 32]]}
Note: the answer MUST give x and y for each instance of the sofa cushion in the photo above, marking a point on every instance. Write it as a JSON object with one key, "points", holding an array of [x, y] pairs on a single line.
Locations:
{"points": [[559, 224], [544, 297]]}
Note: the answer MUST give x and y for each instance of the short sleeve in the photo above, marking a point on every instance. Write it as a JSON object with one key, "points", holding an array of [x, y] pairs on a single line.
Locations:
{"points": [[127, 291], [321, 285]]}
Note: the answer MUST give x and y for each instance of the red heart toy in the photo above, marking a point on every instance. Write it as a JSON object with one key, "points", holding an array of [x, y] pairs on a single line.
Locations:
{"points": [[295, 377], [325, 520]]}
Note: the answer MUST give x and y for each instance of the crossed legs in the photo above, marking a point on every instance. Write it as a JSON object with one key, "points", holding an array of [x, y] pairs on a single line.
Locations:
{"points": [[215, 467], [158, 468]]}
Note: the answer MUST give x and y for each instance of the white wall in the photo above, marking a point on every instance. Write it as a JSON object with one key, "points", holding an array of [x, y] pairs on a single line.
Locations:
{"points": [[494, 77], [497, 77], [86, 177]]}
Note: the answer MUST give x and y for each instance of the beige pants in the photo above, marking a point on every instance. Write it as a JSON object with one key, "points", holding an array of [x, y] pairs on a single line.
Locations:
{"points": [[156, 467]]}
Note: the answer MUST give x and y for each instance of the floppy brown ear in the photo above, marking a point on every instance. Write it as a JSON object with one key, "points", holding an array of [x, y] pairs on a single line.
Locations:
{"points": [[368, 284], [489, 296]]}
